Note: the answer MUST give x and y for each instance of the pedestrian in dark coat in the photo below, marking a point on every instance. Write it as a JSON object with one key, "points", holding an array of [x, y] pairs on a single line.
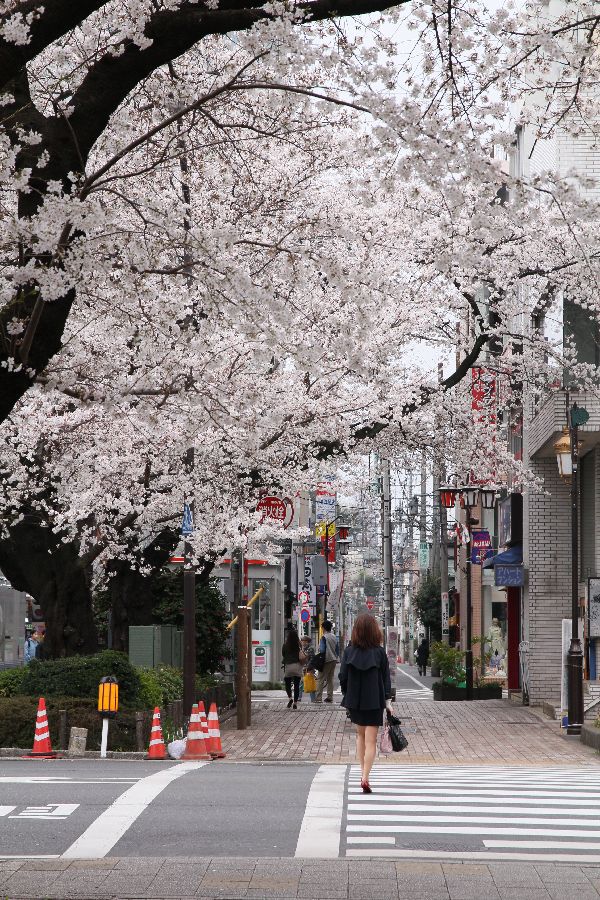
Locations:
{"points": [[293, 661], [367, 689], [422, 656]]}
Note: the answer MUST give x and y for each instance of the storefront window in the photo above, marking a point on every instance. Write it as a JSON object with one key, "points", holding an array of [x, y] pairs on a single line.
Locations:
{"points": [[261, 609], [496, 634]]}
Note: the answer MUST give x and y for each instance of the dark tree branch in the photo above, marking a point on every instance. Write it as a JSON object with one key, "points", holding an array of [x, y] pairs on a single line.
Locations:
{"points": [[173, 32], [58, 17]]}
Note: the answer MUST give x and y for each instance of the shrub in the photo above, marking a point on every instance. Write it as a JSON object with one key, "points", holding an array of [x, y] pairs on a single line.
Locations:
{"points": [[79, 676], [449, 660], [150, 693], [160, 686], [11, 682], [18, 715]]}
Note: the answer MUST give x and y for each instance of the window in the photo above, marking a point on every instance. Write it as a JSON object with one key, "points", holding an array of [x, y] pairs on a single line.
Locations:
{"points": [[261, 609]]}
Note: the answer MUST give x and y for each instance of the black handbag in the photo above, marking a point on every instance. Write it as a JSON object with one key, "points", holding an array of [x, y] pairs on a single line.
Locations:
{"points": [[397, 736], [317, 662]]}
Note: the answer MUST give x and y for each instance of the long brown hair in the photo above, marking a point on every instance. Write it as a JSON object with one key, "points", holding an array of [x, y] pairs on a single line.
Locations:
{"points": [[366, 632], [292, 643]]}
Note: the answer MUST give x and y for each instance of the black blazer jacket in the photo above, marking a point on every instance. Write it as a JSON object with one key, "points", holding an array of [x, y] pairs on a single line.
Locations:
{"points": [[365, 678]]}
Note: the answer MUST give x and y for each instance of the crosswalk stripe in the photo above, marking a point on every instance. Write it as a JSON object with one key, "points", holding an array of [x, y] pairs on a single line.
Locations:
{"points": [[507, 812]]}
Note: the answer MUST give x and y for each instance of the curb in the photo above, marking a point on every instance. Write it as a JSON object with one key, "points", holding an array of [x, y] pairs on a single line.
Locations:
{"points": [[590, 736], [18, 752]]}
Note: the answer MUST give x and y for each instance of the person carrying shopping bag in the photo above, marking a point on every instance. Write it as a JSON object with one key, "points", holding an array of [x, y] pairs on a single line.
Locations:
{"points": [[293, 662], [329, 645], [308, 682], [367, 689]]}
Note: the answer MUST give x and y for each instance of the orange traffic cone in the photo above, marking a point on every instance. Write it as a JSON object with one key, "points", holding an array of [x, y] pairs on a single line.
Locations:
{"points": [[216, 748], [156, 748], [41, 739], [204, 723], [195, 746]]}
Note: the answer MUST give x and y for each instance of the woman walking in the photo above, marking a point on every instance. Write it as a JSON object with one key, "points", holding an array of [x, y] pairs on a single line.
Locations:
{"points": [[293, 660], [367, 689]]}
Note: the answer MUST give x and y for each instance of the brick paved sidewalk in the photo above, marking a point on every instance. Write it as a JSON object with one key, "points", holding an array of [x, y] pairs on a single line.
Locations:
{"points": [[486, 732], [293, 879]]}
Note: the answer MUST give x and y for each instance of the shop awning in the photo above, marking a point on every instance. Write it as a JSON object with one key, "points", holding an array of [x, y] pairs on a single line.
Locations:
{"points": [[511, 557]]}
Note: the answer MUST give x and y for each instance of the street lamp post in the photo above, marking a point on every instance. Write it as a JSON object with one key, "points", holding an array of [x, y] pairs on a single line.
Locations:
{"points": [[342, 545], [567, 455], [470, 497]]}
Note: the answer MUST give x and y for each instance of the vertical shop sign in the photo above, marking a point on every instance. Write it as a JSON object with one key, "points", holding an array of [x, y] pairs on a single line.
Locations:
{"points": [[391, 649], [306, 584], [445, 615]]}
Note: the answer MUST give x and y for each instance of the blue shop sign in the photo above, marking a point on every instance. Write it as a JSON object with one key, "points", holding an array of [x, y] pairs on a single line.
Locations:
{"points": [[509, 576]]}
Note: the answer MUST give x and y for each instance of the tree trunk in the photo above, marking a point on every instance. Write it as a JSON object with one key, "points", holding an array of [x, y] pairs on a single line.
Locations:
{"points": [[131, 602], [131, 596], [35, 561]]}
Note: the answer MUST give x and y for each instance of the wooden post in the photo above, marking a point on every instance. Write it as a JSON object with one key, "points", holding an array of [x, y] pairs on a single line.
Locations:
{"points": [[249, 707], [241, 688], [139, 731], [62, 729]]}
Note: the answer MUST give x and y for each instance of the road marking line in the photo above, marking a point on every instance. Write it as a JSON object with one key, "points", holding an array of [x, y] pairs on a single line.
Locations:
{"points": [[58, 779], [111, 825], [475, 799], [474, 855], [370, 840], [452, 829], [550, 812], [322, 823], [416, 681], [5, 810], [471, 820]]}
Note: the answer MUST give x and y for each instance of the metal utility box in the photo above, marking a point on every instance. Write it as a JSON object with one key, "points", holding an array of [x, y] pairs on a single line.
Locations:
{"points": [[155, 645]]}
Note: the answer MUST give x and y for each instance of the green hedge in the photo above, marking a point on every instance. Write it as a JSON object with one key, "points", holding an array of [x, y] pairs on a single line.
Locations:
{"points": [[11, 682], [18, 715], [79, 676]]}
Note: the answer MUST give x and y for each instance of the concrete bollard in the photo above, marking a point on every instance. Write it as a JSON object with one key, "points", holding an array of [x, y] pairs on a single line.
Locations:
{"points": [[77, 741]]}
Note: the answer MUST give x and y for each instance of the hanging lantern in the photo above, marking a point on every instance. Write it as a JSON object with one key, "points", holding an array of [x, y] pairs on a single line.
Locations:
{"points": [[470, 495], [488, 497], [447, 496], [562, 448]]}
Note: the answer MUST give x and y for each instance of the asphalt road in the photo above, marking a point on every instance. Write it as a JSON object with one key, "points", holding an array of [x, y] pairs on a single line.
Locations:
{"points": [[91, 809]]}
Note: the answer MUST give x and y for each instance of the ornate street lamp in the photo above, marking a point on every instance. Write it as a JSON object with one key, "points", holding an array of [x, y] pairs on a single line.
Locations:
{"points": [[470, 496], [564, 458], [567, 456]]}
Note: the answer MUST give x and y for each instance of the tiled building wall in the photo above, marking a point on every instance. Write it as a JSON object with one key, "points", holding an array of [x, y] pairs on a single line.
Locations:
{"points": [[548, 559]]}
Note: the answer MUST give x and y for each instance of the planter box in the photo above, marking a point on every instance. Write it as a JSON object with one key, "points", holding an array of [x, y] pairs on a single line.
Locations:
{"points": [[443, 691]]}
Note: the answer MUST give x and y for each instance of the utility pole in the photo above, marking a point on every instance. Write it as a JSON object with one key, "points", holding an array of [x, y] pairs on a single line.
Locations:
{"points": [[189, 601], [423, 506], [439, 477], [388, 572], [242, 647], [411, 551]]}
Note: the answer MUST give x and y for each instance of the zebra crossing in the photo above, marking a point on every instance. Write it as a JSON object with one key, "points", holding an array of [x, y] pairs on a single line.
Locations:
{"points": [[475, 812], [413, 694]]}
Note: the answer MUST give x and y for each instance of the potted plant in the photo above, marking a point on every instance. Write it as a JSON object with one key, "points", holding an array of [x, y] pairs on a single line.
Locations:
{"points": [[452, 685]]}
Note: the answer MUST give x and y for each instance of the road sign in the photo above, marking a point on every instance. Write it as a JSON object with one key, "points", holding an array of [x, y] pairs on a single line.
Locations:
{"points": [[305, 615], [187, 526], [370, 604], [304, 598]]}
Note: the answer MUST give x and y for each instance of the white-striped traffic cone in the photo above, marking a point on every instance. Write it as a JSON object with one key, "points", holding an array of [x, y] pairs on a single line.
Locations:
{"points": [[156, 748], [42, 746]]}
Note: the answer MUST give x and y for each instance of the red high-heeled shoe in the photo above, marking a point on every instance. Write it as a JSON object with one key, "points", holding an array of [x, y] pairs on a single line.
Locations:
{"points": [[366, 787]]}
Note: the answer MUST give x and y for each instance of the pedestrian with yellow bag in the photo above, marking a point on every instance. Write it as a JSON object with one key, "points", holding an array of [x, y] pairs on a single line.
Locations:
{"points": [[309, 682]]}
